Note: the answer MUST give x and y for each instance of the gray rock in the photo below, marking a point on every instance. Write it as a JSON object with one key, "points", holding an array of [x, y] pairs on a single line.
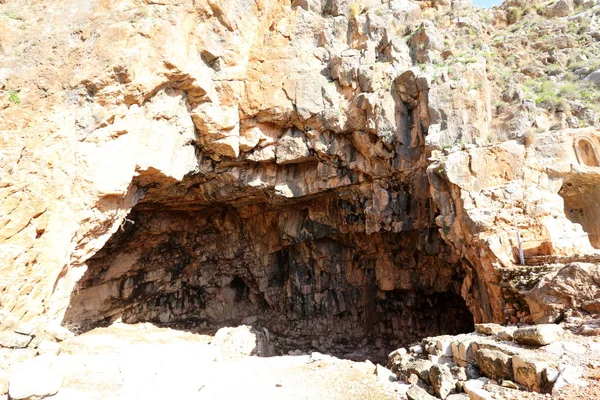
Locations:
{"points": [[442, 380], [417, 393], [41, 376], [472, 371], [14, 340], [420, 368], [594, 77], [495, 364], [537, 335], [561, 8]]}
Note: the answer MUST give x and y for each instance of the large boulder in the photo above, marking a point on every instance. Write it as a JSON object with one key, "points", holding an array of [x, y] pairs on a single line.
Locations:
{"points": [[528, 370], [561, 8], [576, 286], [442, 380], [495, 364], [594, 77], [537, 335], [241, 341]]}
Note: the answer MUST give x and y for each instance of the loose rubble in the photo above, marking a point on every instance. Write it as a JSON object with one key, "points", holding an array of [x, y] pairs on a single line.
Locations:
{"points": [[541, 359]]}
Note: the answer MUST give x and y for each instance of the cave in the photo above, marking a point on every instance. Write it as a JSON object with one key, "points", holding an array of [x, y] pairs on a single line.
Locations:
{"points": [[304, 269]]}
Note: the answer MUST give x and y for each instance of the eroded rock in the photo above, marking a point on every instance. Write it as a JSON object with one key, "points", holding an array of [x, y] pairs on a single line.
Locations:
{"points": [[441, 380], [538, 335]]}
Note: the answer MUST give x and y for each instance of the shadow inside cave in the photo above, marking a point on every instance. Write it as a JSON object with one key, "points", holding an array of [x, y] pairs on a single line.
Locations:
{"points": [[312, 286]]}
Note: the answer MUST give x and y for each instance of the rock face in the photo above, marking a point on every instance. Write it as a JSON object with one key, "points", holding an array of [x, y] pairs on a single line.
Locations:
{"points": [[322, 168]]}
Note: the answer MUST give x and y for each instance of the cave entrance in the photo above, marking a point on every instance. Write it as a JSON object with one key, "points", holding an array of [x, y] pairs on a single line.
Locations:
{"points": [[312, 279]]}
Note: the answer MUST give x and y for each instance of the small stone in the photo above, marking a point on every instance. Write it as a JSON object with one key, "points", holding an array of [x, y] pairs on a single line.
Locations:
{"points": [[41, 376], [459, 373], [506, 333], [509, 384], [441, 380], [14, 340], [537, 335], [413, 379], [417, 393], [418, 349], [398, 352]]}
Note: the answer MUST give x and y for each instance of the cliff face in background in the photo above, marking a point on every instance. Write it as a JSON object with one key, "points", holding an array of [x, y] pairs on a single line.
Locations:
{"points": [[325, 167]]}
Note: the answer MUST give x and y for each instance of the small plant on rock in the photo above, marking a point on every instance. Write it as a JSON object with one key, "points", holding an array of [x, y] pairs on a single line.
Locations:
{"points": [[14, 96], [514, 14]]}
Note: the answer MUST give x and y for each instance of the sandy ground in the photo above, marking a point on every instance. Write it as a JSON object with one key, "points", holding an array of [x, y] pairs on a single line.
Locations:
{"points": [[145, 362]]}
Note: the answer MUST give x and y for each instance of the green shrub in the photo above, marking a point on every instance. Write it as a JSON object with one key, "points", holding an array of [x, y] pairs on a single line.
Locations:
{"points": [[14, 96], [514, 14]]}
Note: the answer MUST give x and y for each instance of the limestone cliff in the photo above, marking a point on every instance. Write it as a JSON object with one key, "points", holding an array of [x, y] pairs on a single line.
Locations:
{"points": [[322, 166]]}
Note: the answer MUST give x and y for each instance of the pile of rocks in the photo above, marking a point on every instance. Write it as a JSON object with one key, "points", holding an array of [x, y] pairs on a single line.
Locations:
{"points": [[493, 362]]}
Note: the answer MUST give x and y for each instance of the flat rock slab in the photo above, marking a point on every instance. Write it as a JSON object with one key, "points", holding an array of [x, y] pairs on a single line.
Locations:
{"points": [[495, 364], [538, 335], [417, 393], [41, 376], [14, 340]]}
